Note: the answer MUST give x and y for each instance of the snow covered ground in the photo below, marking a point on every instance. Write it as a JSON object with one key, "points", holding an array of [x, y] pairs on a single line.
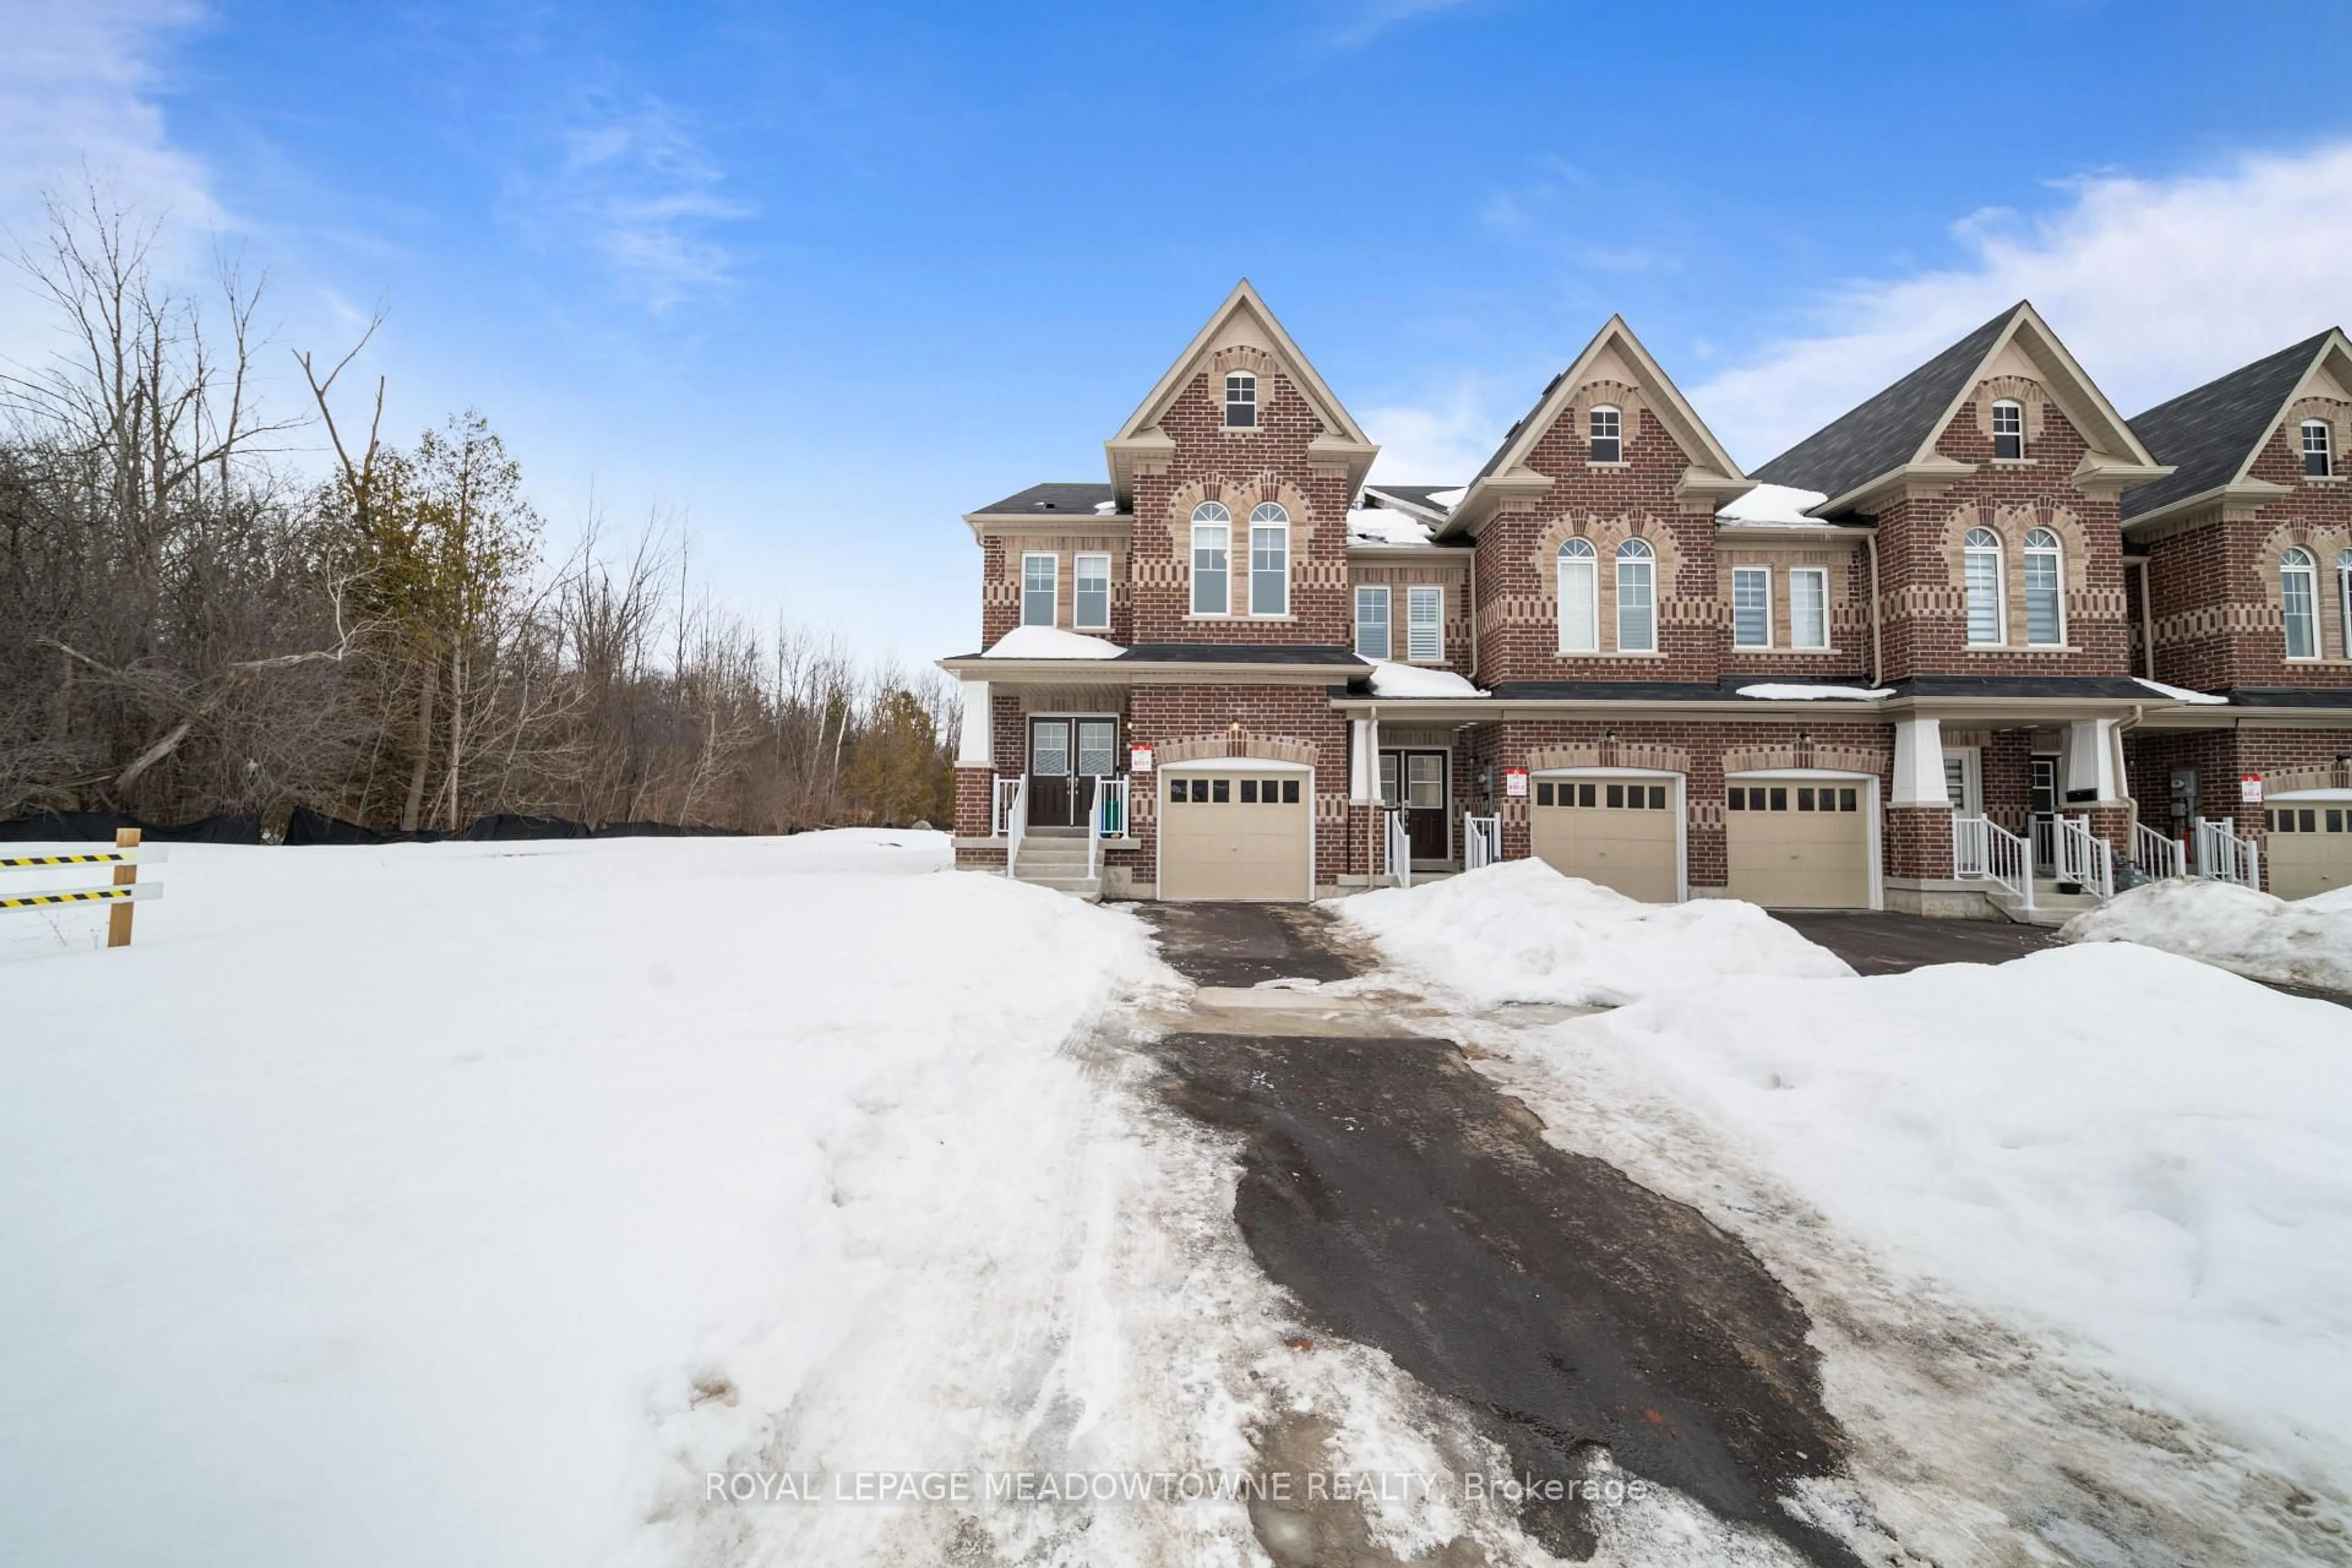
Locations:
{"points": [[2076, 1231], [2306, 941]]}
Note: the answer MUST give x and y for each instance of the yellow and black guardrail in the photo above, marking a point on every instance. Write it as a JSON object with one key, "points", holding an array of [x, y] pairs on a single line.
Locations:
{"points": [[127, 855]]}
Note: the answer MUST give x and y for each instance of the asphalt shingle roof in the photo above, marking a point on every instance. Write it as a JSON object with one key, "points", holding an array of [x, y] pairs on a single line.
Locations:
{"points": [[1077, 500], [1884, 431], [2206, 433]]}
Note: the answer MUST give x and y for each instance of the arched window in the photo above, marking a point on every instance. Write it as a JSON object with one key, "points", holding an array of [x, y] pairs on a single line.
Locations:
{"points": [[1608, 428], [2297, 604], [1269, 561], [2318, 450], [1580, 598], [1241, 401], [2344, 597], [2046, 582], [2008, 429], [1637, 598], [1980, 571], [1213, 535]]}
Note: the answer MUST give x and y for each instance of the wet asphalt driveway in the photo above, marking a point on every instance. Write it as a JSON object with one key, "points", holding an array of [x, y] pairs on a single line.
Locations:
{"points": [[1408, 1203]]}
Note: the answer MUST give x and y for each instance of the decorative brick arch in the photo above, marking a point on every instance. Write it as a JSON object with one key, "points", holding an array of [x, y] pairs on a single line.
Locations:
{"points": [[2280, 781], [1240, 495], [1841, 759], [1605, 535], [1266, 747], [1626, 399], [2322, 545], [2023, 391], [2010, 524], [1656, 759]]}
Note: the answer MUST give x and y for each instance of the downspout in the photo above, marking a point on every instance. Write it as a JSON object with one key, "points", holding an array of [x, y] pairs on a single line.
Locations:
{"points": [[2123, 771], [1877, 646], [2147, 625], [1474, 612]]}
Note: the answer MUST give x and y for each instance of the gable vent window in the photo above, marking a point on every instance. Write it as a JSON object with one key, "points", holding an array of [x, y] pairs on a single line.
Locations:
{"points": [[1980, 571], [2007, 429], [1608, 435], [2298, 605], [2319, 450], [1241, 401], [1037, 574]]}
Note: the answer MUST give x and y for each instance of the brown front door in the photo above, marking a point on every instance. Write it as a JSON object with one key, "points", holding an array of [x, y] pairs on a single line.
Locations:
{"points": [[1065, 757], [1417, 782]]}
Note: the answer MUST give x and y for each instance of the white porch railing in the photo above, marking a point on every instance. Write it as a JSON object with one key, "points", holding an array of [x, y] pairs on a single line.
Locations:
{"points": [[1107, 820], [2224, 857], [1398, 847], [2043, 828], [1989, 853], [2158, 855], [2083, 857], [1482, 841], [1011, 815]]}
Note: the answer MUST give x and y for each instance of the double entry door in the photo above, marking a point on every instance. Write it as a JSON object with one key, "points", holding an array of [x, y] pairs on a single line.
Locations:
{"points": [[1066, 755], [1416, 781]]}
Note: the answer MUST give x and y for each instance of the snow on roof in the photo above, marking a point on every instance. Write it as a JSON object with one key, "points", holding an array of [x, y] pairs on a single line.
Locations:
{"points": [[1770, 692], [1105, 507], [1393, 679], [1051, 642], [1385, 525], [1769, 504], [1447, 498], [2178, 693]]}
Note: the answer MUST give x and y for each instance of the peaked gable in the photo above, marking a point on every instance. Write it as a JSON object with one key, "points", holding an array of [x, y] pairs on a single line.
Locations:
{"points": [[1241, 321], [1614, 350], [1898, 427], [2212, 434]]}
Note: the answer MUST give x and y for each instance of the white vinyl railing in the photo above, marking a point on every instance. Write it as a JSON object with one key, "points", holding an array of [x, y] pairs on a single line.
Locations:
{"points": [[2083, 857], [2224, 857], [2043, 827], [2157, 855], [1012, 811], [1399, 845], [1107, 820], [1482, 841], [1992, 854]]}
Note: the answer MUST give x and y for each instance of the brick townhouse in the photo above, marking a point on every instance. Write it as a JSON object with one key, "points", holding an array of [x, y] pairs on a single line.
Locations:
{"points": [[1981, 647]]}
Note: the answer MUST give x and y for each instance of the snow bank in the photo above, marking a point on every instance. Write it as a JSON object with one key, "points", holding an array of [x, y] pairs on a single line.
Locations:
{"points": [[1385, 525], [1051, 642], [1791, 693], [1393, 679], [2307, 943], [1520, 932], [2147, 1152], [377, 1204], [1782, 504]]}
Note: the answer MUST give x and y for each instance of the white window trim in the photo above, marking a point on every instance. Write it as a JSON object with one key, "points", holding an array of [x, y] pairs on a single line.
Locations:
{"points": [[1388, 620], [1824, 574], [1256, 407], [1590, 563], [1591, 416], [2309, 570], [1254, 524], [1411, 591], [1648, 557], [2057, 551], [2326, 445], [1767, 643], [1077, 570], [1192, 563], [2344, 597], [1999, 592], [1053, 587], [2009, 402]]}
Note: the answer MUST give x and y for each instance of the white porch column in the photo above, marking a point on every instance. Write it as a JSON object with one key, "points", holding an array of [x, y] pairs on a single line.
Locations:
{"points": [[1363, 761], [976, 745], [2091, 763], [1919, 763]]}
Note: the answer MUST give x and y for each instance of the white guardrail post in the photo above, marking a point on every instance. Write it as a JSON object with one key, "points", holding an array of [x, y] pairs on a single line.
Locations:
{"points": [[1400, 847], [1482, 841], [1107, 820], [126, 890]]}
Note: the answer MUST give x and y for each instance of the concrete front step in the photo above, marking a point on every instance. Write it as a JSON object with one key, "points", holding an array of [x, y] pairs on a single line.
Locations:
{"points": [[2051, 907]]}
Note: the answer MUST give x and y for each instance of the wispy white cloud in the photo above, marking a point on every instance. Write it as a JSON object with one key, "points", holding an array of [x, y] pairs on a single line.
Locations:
{"points": [[1368, 19], [2157, 285], [1431, 445], [642, 191]]}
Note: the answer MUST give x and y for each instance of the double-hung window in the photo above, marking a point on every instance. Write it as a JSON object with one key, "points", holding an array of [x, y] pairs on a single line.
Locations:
{"points": [[1608, 428], [1751, 606], [1269, 584], [2046, 582], [1579, 611], [1090, 592], [1372, 622], [1809, 607], [1424, 625], [1213, 535], [1637, 602], [2343, 597], [1039, 572], [2318, 450], [1241, 401], [2007, 429], [1980, 574], [2298, 607]]}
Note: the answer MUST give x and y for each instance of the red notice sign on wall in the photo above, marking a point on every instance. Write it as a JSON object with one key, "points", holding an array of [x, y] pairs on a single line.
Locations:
{"points": [[1139, 759], [2250, 788], [1515, 781]]}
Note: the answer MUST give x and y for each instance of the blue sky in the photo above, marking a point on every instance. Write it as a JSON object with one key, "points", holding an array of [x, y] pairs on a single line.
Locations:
{"points": [[817, 280]]}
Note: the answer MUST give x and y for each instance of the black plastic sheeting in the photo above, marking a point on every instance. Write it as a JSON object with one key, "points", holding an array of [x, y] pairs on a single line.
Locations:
{"points": [[308, 827], [99, 827], [664, 830], [499, 826]]}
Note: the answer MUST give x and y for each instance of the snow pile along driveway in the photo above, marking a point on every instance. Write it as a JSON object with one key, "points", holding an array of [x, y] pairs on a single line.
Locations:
{"points": [[1520, 932], [2241, 929], [2148, 1152]]}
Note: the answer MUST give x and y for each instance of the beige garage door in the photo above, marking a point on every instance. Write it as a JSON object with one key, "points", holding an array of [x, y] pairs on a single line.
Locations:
{"points": [[1235, 834], [2309, 845], [1621, 832], [1799, 845]]}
